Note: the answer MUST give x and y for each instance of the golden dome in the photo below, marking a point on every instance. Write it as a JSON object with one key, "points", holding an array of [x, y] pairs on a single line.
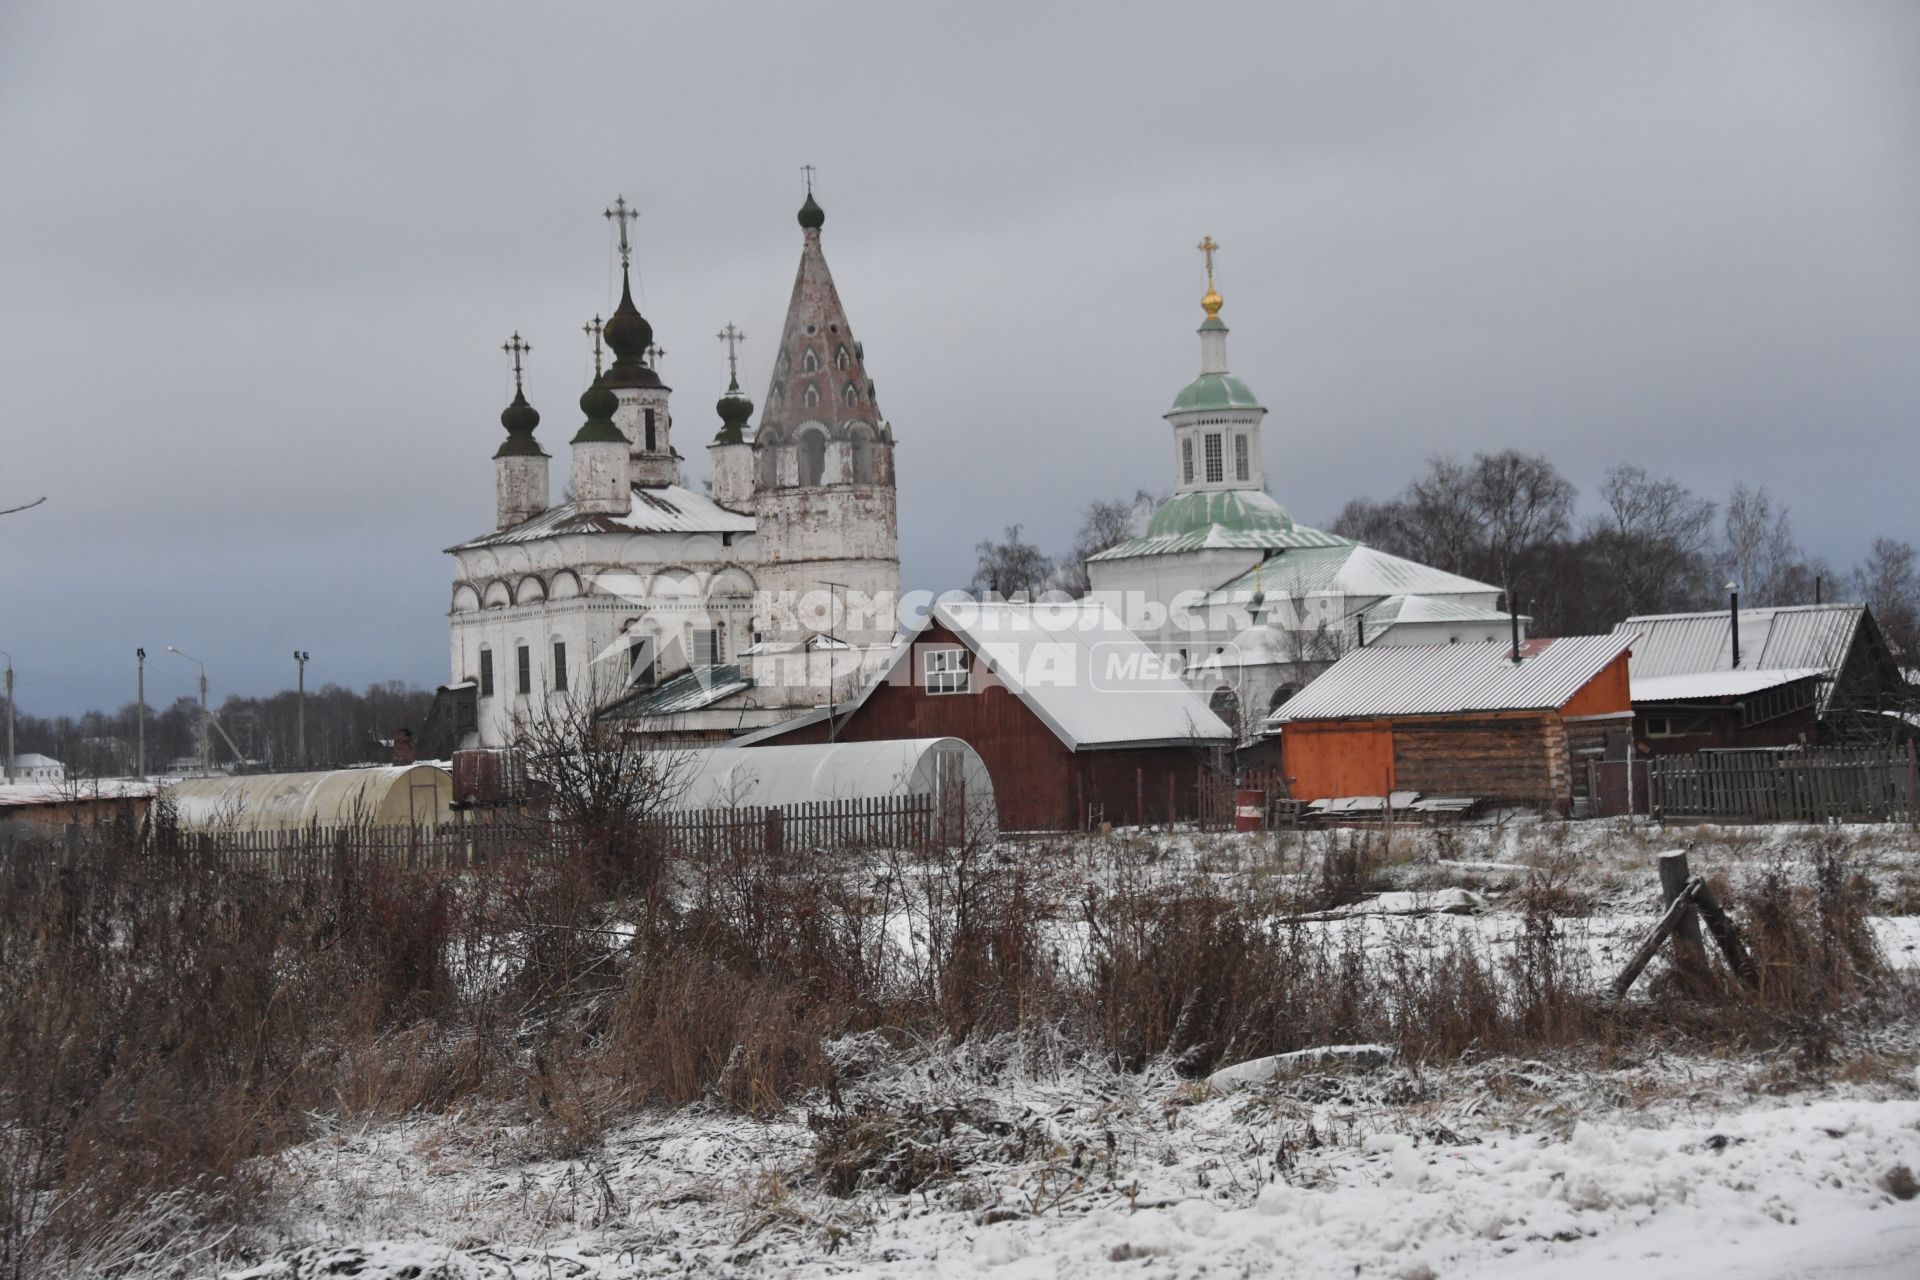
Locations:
{"points": [[1211, 303]]}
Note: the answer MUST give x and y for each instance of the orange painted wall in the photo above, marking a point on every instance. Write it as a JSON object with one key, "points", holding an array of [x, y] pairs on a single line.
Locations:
{"points": [[1346, 759], [1607, 693]]}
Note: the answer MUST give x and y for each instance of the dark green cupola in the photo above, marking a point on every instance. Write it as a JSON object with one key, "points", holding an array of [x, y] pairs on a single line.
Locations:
{"points": [[520, 419], [599, 403], [628, 336], [735, 411], [812, 216]]}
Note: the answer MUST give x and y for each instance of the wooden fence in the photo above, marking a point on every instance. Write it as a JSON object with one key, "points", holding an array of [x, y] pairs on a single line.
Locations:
{"points": [[913, 822], [1844, 784]]}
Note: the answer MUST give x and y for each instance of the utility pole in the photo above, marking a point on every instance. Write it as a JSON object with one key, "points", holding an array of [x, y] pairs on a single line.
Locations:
{"points": [[1733, 615], [140, 708], [300, 716], [206, 733], [9, 658]]}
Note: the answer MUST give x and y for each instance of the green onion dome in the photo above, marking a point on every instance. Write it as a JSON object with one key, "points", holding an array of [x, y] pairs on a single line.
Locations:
{"points": [[734, 410], [628, 335], [598, 404], [519, 418], [812, 216]]}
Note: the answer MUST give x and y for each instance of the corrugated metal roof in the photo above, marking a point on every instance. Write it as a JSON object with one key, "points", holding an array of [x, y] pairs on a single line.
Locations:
{"points": [[1412, 609], [1347, 569], [688, 691], [1715, 684], [1437, 679], [1216, 537], [1791, 637], [669, 509]]}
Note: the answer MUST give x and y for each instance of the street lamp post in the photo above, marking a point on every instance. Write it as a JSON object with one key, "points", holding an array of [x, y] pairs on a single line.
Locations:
{"points": [[206, 735], [9, 658], [140, 708], [300, 656]]}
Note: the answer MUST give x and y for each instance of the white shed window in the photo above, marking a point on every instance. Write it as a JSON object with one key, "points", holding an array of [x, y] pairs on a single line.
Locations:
{"points": [[1186, 460], [1240, 458], [947, 670], [1215, 469]]}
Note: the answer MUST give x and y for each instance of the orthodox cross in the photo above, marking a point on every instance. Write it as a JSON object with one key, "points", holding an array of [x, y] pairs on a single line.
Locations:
{"points": [[654, 352], [1208, 247], [624, 215], [733, 338], [516, 348], [808, 170], [593, 327]]}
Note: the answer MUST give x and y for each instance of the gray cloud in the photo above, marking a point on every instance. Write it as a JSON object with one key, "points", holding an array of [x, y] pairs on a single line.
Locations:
{"points": [[258, 262]]}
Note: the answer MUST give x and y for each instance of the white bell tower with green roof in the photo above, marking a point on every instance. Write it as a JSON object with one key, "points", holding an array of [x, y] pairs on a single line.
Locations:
{"points": [[1216, 419]]}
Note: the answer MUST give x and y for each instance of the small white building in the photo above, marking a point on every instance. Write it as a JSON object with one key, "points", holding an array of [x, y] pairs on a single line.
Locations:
{"points": [[36, 769]]}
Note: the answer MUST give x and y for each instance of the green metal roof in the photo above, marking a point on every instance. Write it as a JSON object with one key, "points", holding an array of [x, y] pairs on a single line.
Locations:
{"points": [[1239, 510], [1212, 391], [1238, 519], [688, 691]]}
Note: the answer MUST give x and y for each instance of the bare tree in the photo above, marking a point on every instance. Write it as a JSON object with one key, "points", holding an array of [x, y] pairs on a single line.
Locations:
{"points": [[594, 781], [1010, 566], [1650, 544], [1889, 583], [1761, 553], [1523, 504], [1107, 522]]}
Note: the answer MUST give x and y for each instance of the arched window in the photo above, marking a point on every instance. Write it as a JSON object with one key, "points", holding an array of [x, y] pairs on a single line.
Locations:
{"points": [[812, 398], [809, 363], [813, 458], [862, 456], [1280, 696], [841, 359], [652, 444], [1225, 703], [851, 395]]}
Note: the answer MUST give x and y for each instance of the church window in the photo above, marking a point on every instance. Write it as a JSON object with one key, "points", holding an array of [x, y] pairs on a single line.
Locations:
{"points": [[559, 666], [640, 661], [1216, 472], [841, 359], [812, 397], [486, 673], [947, 670], [1240, 458], [813, 458], [862, 458], [650, 440], [809, 363], [851, 395], [706, 647], [769, 467], [523, 668], [1186, 460]]}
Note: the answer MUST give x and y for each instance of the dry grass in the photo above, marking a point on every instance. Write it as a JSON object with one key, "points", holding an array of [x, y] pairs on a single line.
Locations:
{"points": [[165, 1023]]}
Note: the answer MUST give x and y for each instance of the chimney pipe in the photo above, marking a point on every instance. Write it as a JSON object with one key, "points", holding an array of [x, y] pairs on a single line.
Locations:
{"points": [[1513, 621], [1733, 612]]}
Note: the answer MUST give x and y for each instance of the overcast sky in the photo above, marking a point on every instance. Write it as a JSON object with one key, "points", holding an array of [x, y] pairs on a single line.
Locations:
{"points": [[257, 261]]}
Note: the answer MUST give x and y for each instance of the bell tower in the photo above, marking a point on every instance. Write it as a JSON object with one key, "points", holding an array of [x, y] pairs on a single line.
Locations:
{"points": [[643, 416]]}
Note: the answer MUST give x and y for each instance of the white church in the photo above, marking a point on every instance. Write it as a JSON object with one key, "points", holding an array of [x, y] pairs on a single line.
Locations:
{"points": [[1249, 604], [700, 615]]}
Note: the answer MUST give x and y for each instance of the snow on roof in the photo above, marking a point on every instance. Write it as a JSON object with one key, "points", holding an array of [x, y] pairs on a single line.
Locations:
{"points": [[689, 691], [34, 760], [666, 509], [1407, 610], [1350, 569], [21, 794], [1072, 663], [1436, 679], [1216, 537], [1715, 684], [1077, 667], [1674, 644]]}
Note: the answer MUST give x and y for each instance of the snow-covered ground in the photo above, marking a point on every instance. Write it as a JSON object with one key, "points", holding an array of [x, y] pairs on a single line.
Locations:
{"points": [[1026, 1157], [1668, 1169]]}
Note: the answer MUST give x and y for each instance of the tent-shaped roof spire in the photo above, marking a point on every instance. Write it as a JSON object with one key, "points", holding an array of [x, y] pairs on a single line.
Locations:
{"points": [[819, 371]]}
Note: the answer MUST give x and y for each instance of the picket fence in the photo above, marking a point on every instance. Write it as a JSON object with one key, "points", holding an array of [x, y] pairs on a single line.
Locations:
{"points": [[1822, 784], [915, 823]]}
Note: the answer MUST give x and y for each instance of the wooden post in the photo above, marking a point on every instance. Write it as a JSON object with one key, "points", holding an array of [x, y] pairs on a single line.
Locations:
{"points": [[1724, 933], [1173, 792], [1140, 796], [1689, 950], [1681, 906]]}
